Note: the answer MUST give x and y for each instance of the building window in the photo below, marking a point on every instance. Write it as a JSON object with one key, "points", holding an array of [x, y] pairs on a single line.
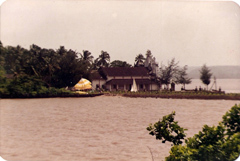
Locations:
{"points": [[114, 86], [141, 86], [121, 87]]}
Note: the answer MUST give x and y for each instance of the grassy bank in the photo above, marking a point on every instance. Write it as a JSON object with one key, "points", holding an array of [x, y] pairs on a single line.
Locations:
{"points": [[185, 95], [63, 95], [33, 87], [51, 94]]}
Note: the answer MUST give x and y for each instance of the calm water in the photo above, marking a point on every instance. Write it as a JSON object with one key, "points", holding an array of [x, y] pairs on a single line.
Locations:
{"points": [[227, 85], [103, 128]]}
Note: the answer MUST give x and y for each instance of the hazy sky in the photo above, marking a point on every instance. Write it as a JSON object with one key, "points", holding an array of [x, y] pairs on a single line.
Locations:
{"points": [[193, 32]]}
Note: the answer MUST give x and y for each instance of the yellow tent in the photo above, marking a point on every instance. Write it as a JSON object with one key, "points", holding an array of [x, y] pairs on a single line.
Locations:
{"points": [[83, 84], [81, 92]]}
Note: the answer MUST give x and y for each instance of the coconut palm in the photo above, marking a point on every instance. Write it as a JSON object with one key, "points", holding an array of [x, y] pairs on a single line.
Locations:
{"points": [[148, 53], [61, 50], [86, 56], [139, 60], [103, 59], [14, 60], [2, 55]]}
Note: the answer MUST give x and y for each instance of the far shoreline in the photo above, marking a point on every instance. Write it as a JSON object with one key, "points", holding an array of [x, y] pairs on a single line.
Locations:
{"points": [[164, 95], [179, 96]]}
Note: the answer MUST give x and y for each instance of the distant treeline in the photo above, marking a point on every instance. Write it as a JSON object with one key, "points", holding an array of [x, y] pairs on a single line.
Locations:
{"points": [[38, 70], [56, 68]]}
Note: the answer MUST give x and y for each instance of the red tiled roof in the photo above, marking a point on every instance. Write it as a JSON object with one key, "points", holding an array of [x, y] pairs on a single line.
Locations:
{"points": [[96, 75], [125, 71]]}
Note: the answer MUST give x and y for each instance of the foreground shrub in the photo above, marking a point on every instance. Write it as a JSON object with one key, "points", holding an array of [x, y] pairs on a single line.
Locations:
{"points": [[216, 143], [167, 130]]}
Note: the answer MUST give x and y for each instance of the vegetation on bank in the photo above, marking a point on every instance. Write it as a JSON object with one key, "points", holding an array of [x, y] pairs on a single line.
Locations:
{"points": [[184, 95], [41, 72], [61, 68], [212, 143], [32, 87], [56, 68]]}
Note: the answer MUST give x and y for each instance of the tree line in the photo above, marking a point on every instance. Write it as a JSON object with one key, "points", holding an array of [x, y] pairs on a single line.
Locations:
{"points": [[57, 68], [64, 67]]}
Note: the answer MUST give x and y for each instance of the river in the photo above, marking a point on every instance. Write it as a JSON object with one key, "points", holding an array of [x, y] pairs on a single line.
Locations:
{"points": [[103, 128]]}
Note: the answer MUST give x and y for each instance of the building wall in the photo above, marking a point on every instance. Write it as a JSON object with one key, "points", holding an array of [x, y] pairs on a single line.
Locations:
{"points": [[97, 82], [126, 87], [155, 87], [148, 87]]}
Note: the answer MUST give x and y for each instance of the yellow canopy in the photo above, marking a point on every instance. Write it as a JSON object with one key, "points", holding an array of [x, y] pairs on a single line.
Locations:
{"points": [[83, 84], [81, 92]]}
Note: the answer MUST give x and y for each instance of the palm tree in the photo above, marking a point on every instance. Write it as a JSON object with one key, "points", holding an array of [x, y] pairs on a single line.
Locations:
{"points": [[14, 57], [1, 45], [36, 62], [61, 50], [103, 59], [87, 57], [51, 64], [148, 53], [2, 55], [139, 60]]}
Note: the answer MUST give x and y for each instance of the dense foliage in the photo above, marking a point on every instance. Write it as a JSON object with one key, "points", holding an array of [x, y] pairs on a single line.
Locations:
{"points": [[216, 143], [167, 130], [63, 68], [57, 68], [119, 63], [38, 70]]}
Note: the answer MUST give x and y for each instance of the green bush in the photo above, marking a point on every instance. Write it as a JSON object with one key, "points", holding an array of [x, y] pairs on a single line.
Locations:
{"points": [[24, 86], [232, 120], [216, 143], [167, 130]]}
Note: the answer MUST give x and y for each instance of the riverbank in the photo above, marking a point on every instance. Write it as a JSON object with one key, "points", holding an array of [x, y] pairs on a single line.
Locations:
{"points": [[185, 95], [61, 95], [205, 95]]}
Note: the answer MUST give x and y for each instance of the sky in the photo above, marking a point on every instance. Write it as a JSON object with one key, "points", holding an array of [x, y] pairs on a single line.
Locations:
{"points": [[192, 32]]}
